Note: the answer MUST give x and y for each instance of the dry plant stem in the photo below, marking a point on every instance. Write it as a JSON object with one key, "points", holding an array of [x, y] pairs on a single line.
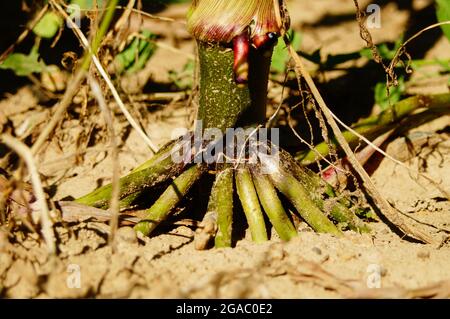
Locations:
{"points": [[105, 76], [60, 110], [47, 226], [146, 14], [207, 230], [75, 82], [273, 206], [221, 202], [250, 204], [124, 19], [381, 202], [168, 200], [381, 123], [25, 33], [298, 196], [401, 50], [115, 192], [396, 161]]}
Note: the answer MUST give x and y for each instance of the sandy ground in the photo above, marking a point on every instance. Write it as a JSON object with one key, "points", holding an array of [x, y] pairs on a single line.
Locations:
{"points": [[167, 265]]}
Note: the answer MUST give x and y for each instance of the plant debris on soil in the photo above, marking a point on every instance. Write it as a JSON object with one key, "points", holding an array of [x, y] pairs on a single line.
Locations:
{"points": [[77, 160]]}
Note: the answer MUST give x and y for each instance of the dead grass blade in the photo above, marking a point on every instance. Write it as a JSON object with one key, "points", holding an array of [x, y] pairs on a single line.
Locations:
{"points": [[114, 203], [385, 208], [25, 153], [105, 76]]}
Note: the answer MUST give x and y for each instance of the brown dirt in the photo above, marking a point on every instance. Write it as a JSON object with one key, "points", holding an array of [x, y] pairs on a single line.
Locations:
{"points": [[167, 265]]}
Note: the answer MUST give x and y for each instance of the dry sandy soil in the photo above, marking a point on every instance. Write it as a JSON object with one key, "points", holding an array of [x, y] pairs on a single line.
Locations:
{"points": [[167, 265]]}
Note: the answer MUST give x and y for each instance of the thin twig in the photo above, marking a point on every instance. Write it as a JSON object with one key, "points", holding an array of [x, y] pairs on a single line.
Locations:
{"points": [[146, 14], [379, 200], [105, 76], [311, 147], [125, 16], [107, 115], [23, 151], [396, 161], [401, 49], [74, 83], [60, 109]]}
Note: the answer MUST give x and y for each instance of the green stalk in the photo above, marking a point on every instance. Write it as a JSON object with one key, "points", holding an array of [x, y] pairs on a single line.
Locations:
{"points": [[298, 196], [168, 200], [154, 171], [273, 206], [223, 103], [379, 124], [344, 216], [250, 204], [132, 185], [104, 26], [221, 201], [158, 157], [323, 194]]}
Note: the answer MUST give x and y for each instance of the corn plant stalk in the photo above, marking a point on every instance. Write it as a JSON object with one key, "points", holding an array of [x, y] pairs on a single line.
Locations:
{"points": [[168, 200], [222, 199], [224, 103], [131, 186], [233, 94], [323, 195], [299, 196], [273, 206], [250, 204]]}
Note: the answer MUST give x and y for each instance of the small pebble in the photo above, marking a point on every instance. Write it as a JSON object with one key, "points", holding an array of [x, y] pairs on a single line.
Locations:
{"points": [[317, 250]]}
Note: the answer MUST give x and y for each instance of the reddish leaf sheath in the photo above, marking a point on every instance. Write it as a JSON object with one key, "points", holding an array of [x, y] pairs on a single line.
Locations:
{"points": [[241, 47], [264, 41]]}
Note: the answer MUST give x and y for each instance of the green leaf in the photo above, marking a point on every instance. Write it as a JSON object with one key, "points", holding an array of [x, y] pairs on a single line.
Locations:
{"points": [[134, 57], [183, 80], [443, 14], [366, 213], [24, 65], [48, 26], [281, 56], [395, 93]]}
